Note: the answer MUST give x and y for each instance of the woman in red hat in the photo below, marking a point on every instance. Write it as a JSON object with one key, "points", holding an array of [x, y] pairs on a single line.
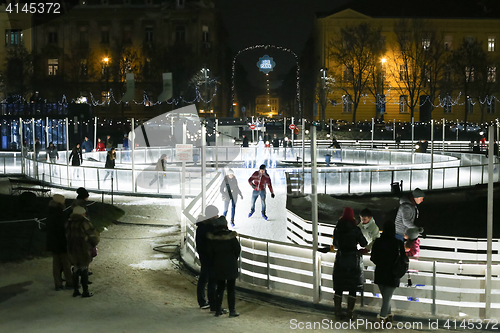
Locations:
{"points": [[348, 267]]}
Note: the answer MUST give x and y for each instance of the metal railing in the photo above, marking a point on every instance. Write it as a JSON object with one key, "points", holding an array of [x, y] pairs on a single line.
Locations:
{"points": [[450, 287]]}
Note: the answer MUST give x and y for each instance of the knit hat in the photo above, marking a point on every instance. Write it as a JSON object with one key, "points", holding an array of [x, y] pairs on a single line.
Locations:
{"points": [[418, 193], [262, 167], [59, 198], [348, 214], [79, 210], [211, 211], [82, 193], [412, 233], [230, 172]]}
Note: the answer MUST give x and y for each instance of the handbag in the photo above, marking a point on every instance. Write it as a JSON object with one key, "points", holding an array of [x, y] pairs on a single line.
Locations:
{"points": [[401, 264]]}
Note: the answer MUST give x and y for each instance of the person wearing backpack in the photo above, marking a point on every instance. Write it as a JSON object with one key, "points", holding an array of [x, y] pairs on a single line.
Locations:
{"points": [[408, 213], [386, 251]]}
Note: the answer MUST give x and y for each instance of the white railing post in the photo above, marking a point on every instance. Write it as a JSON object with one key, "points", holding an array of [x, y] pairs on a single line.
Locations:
{"points": [[314, 213], [67, 151], [132, 133], [489, 228], [433, 306], [432, 157], [268, 266]]}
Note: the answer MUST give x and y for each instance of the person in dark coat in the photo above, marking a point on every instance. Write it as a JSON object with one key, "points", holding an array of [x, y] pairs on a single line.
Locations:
{"points": [[109, 143], [230, 190], [224, 251], [206, 278], [76, 159], [384, 255], [110, 163], [56, 242], [37, 147], [81, 200], [245, 141], [348, 267], [82, 238], [87, 145]]}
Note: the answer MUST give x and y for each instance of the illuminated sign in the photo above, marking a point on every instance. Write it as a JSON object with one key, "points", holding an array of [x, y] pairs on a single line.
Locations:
{"points": [[266, 64]]}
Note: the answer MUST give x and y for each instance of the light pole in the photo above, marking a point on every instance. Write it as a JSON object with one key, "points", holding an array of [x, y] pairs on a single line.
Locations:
{"points": [[324, 73], [381, 97], [105, 69], [205, 75]]}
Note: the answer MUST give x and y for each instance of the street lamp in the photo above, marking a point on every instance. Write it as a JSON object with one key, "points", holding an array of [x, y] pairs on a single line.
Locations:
{"points": [[324, 75], [205, 74], [105, 69]]}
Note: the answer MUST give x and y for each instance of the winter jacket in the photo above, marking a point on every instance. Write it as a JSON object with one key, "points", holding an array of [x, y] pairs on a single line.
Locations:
{"points": [[407, 213], [100, 147], [56, 232], [52, 152], [384, 255], [161, 164], [370, 231], [204, 226], [412, 248], [260, 181], [229, 188], [245, 142], [276, 143], [224, 251], [348, 267], [81, 237], [87, 146], [109, 143], [125, 143], [110, 160], [76, 157]]}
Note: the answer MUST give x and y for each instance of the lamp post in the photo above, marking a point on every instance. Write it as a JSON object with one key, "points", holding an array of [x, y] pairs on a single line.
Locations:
{"points": [[105, 69], [381, 97], [205, 76], [324, 74]]}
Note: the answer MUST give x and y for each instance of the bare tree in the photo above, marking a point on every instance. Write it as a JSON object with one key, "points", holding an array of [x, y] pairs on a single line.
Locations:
{"points": [[324, 87], [17, 77], [357, 49], [410, 71], [79, 68], [467, 60]]}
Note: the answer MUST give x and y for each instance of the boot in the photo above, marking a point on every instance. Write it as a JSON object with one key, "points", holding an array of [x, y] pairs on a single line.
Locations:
{"points": [[382, 321], [85, 283], [351, 302], [389, 318], [76, 289], [337, 299]]}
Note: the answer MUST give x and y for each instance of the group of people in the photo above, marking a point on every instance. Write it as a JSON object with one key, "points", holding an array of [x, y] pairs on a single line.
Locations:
{"points": [[73, 240], [218, 250], [352, 239]]}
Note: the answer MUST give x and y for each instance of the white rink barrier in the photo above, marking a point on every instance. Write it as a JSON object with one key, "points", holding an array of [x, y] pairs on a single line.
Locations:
{"points": [[441, 283]]}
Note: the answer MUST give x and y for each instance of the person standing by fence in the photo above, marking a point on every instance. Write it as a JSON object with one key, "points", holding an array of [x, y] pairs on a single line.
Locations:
{"points": [[56, 242], [110, 163], [87, 145], [100, 145], [82, 238], [230, 190], [53, 155], [224, 250], [76, 159], [160, 168], [109, 143], [408, 213], [385, 252]]}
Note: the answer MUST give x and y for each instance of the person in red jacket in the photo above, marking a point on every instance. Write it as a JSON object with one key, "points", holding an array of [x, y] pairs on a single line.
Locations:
{"points": [[100, 145], [258, 181]]}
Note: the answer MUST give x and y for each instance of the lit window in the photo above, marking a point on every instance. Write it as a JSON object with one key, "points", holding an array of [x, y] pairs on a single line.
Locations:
{"points": [[469, 74], [206, 34], [492, 74], [491, 44], [53, 65], [13, 37], [403, 73], [403, 104], [347, 104], [426, 43]]}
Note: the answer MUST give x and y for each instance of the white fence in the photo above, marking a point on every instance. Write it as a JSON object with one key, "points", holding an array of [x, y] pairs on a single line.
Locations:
{"points": [[448, 279]]}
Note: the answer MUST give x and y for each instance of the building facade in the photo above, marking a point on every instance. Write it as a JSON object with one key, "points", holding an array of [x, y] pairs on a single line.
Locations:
{"points": [[393, 100], [267, 106]]}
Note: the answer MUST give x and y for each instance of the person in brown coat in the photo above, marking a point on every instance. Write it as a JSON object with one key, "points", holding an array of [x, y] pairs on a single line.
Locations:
{"points": [[82, 238], [56, 242]]}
